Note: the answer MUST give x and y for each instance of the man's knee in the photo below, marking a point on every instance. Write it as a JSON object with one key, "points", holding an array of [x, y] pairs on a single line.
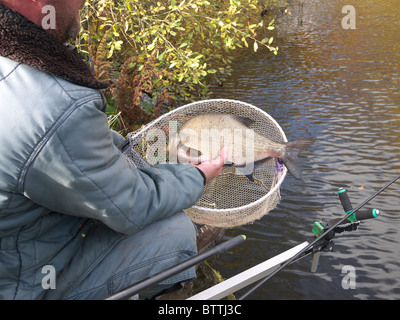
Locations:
{"points": [[179, 232]]}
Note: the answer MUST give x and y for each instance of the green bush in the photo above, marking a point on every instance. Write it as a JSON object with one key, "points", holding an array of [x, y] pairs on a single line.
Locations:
{"points": [[169, 49]]}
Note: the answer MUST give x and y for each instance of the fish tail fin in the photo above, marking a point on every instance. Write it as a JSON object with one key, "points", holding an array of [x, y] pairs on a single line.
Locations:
{"points": [[290, 158]]}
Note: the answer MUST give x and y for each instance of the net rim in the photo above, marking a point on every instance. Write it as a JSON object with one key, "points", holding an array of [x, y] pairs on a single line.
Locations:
{"points": [[254, 203]]}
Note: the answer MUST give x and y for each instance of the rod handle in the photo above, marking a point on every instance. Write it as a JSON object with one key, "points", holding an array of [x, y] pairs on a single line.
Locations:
{"points": [[345, 200], [364, 215], [359, 215]]}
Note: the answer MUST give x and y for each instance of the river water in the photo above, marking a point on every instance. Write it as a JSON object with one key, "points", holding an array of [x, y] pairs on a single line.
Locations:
{"points": [[340, 86]]}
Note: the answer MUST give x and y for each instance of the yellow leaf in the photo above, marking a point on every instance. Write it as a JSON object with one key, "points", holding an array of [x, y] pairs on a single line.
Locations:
{"points": [[255, 46]]}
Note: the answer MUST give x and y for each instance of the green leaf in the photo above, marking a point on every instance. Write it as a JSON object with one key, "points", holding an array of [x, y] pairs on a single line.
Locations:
{"points": [[146, 106]]}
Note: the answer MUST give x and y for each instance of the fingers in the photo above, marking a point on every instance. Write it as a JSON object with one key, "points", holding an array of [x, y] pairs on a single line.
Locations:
{"points": [[213, 168], [223, 155]]}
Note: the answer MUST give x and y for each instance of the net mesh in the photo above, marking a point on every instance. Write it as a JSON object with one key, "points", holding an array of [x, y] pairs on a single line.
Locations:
{"points": [[231, 199]]}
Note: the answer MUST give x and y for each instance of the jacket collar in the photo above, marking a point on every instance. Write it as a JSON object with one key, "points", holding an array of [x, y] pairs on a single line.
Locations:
{"points": [[23, 41]]}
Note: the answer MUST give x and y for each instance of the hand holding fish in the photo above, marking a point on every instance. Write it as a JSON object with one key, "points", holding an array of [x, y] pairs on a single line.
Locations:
{"points": [[213, 168]]}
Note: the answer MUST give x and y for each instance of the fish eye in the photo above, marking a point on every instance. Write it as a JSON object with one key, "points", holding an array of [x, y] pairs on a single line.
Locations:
{"points": [[187, 139]]}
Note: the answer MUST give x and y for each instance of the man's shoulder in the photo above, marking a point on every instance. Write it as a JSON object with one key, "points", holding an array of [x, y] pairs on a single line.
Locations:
{"points": [[33, 106], [29, 81]]}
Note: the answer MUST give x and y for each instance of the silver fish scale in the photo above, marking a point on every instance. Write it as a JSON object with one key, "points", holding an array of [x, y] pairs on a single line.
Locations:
{"points": [[231, 199]]}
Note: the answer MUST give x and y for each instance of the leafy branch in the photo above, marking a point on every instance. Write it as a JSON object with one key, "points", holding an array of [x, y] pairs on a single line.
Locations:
{"points": [[187, 42]]}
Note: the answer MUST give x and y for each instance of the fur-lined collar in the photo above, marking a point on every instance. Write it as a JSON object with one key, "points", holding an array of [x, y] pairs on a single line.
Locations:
{"points": [[23, 41]]}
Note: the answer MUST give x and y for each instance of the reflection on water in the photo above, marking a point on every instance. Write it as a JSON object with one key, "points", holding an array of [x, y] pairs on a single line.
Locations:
{"points": [[342, 88]]}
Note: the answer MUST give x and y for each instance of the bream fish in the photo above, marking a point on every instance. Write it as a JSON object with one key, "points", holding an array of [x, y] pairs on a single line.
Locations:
{"points": [[202, 137]]}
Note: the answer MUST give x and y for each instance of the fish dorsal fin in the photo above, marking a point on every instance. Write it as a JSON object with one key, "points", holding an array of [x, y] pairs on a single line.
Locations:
{"points": [[244, 120]]}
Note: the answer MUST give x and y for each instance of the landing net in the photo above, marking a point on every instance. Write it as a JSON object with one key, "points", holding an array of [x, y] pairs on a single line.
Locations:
{"points": [[231, 199]]}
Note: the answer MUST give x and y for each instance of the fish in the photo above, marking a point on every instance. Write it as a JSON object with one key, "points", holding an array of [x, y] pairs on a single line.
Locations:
{"points": [[202, 137]]}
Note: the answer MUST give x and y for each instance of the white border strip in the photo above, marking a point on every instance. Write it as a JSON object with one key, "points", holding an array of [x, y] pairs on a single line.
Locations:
{"points": [[248, 276]]}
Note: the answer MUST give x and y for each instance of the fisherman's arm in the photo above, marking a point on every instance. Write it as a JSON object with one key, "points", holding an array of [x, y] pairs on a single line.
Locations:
{"points": [[118, 139], [81, 172]]}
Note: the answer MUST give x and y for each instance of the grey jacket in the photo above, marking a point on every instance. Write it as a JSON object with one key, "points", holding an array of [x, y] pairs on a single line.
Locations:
{"points": [[61, 175]]}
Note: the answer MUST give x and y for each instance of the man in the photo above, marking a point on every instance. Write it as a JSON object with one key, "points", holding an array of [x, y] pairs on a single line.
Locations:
{"points": [[76, 220]]}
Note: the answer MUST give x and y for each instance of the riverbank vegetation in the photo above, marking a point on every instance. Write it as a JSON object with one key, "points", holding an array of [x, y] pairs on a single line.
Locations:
{"points": [[158, 54]]}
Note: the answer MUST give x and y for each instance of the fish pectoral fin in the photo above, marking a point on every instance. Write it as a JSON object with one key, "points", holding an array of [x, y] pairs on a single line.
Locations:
{"points": [[246, 172]]}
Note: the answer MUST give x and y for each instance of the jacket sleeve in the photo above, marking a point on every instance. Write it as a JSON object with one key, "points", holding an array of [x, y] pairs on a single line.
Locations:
{"points": [[117, 138], [80, 171]]}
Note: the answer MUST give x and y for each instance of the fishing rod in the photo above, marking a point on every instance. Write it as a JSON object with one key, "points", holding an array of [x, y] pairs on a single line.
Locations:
{"points": [[350, 215]]}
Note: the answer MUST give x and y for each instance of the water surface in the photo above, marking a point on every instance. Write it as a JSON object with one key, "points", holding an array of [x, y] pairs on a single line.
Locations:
{"points": [[342, 88]]}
